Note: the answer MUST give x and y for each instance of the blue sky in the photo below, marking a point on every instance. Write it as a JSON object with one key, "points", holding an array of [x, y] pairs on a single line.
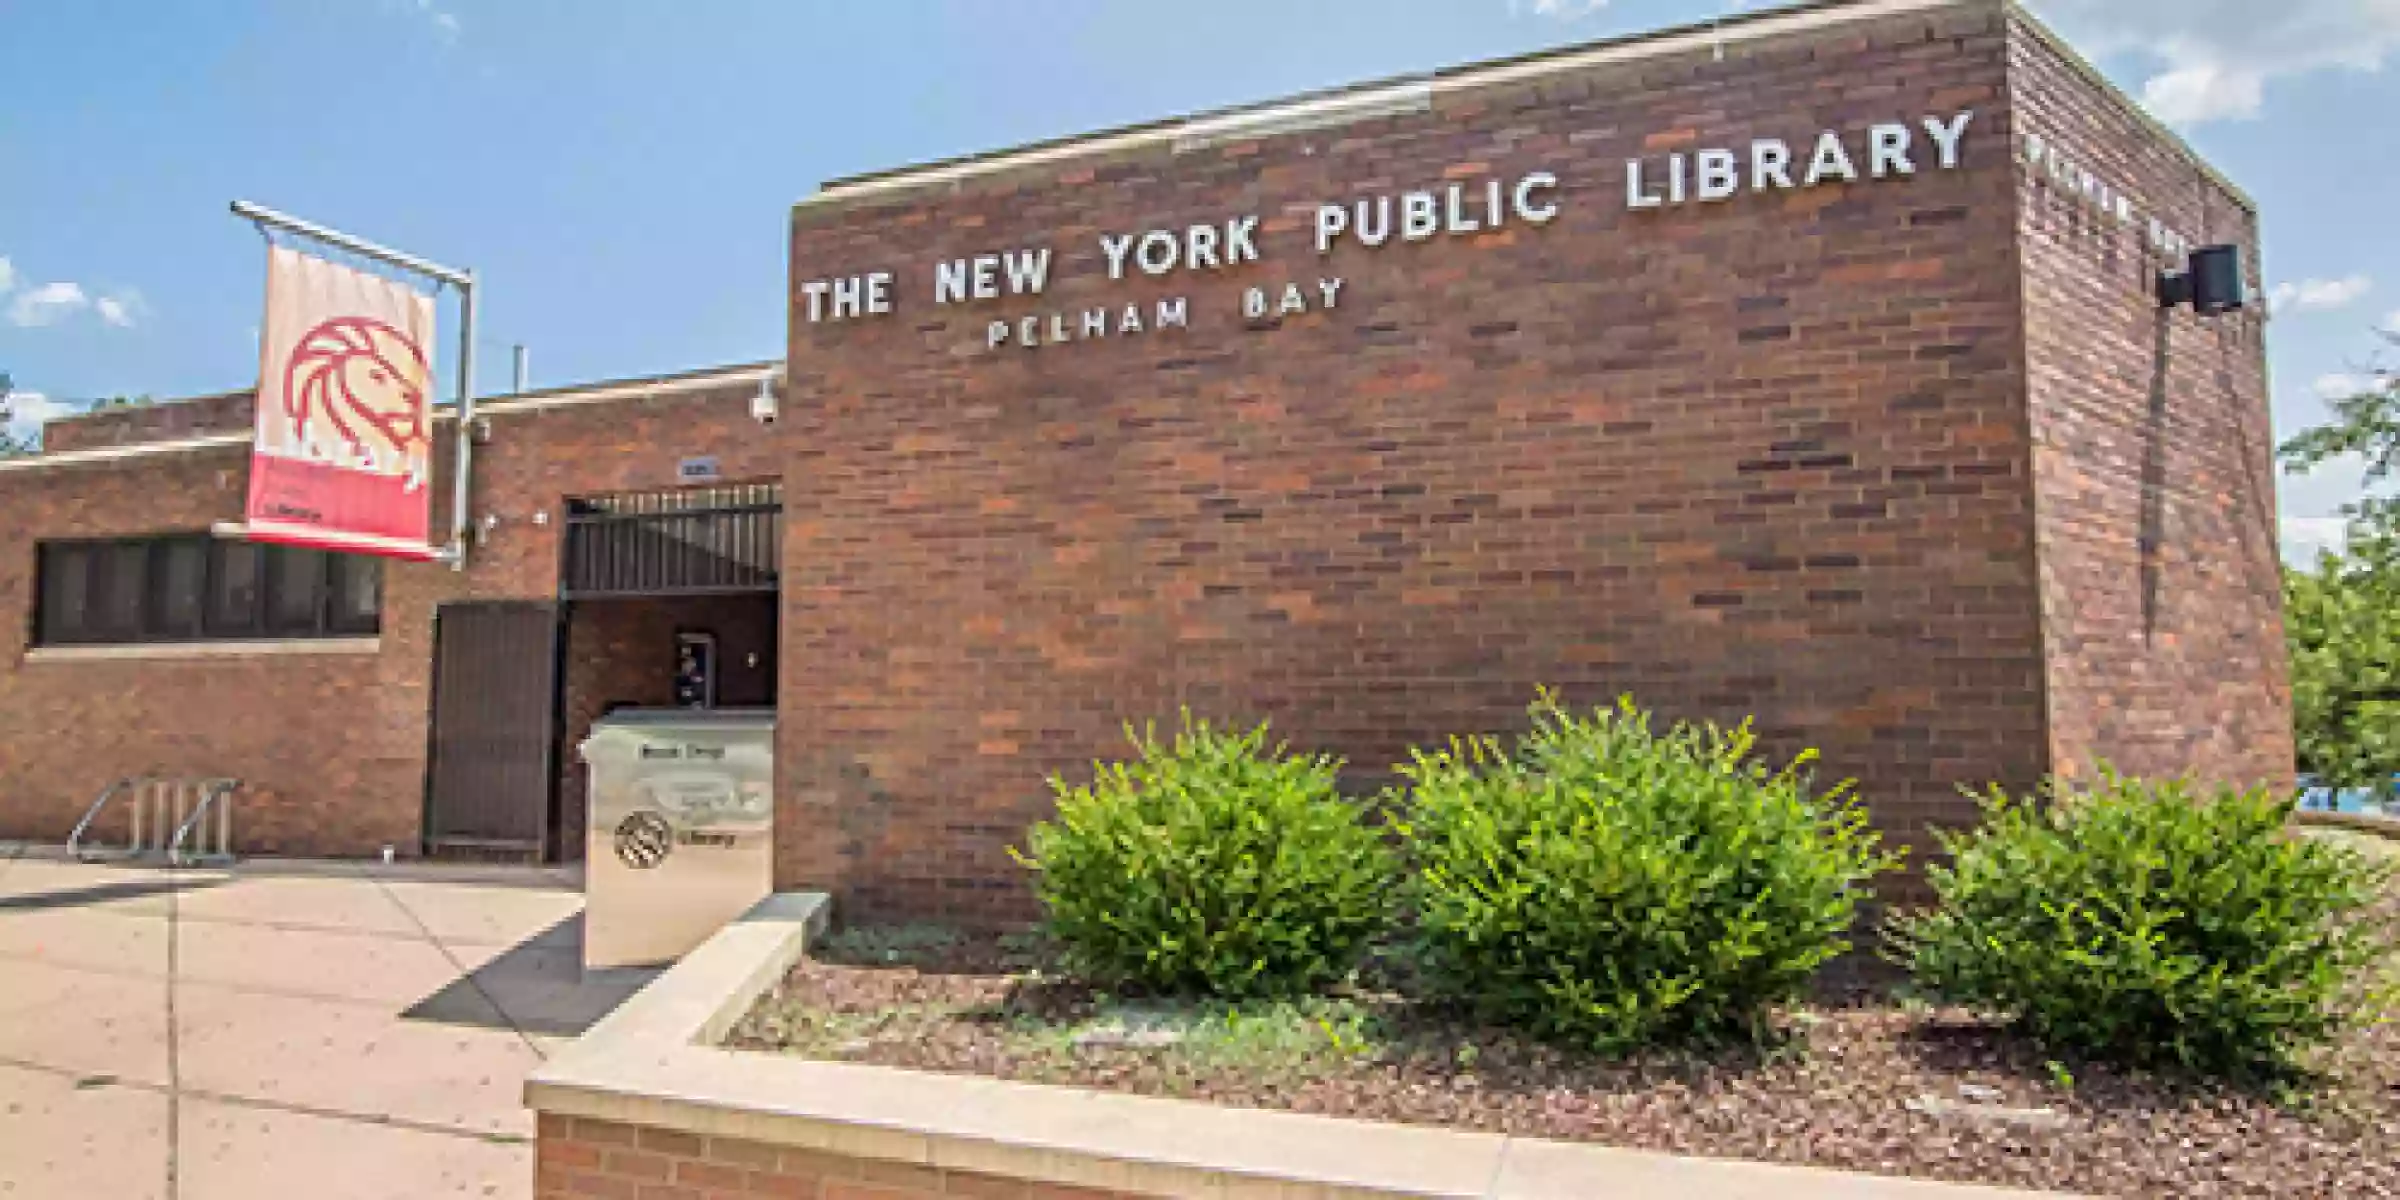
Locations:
{"points": [[619, 172]]}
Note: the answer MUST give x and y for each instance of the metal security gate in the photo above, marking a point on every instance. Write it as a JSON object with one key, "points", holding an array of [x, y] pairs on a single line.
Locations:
{"points": [[495, 712], [691, 542]]}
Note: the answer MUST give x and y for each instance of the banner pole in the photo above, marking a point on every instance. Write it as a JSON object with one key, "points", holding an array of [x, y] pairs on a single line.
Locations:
{"points": [[460, 520], [356, 245]]}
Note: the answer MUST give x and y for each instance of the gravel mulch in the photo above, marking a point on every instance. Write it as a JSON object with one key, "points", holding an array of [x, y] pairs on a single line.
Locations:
{"points": [[1860, 1085]]}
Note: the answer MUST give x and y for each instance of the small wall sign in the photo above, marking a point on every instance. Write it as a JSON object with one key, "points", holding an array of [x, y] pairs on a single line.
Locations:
{"points": [[699, 470]]}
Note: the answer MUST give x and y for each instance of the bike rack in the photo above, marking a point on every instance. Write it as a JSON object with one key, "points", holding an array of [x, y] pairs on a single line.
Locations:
{"points": [[165, 813]]}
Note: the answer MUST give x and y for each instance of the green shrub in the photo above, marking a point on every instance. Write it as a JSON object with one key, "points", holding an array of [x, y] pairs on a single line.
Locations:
{"points": [[1211, 865], [1615, 887], [2141, 923]]}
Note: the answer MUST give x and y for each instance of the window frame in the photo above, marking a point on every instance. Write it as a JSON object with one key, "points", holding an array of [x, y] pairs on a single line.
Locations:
{"points": [[99, 561]]}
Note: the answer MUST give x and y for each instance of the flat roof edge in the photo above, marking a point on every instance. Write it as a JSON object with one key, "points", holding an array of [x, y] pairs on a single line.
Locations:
{"points": [[1206, 126], [489, 406], [2018, 11]]}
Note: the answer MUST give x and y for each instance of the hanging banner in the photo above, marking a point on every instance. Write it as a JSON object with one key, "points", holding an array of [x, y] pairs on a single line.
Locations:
{"points": [[344, 453]]}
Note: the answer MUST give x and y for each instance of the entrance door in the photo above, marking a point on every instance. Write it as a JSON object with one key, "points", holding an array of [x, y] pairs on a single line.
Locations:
{"points": [[495, 706]]}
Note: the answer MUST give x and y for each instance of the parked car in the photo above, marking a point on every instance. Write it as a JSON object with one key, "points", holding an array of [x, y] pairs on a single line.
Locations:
{"points": [[2315, 796]]}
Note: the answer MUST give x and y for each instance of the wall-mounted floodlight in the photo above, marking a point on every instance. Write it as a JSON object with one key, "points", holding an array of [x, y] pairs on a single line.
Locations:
{"points": [[2211, 282]]}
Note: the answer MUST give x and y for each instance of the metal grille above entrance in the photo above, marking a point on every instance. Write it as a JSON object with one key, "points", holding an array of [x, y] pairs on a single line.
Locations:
{"points": [[690, 542]]}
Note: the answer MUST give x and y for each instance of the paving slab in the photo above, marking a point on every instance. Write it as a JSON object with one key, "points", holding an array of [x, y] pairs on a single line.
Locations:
{"points": [[84, 1023], [236, 1152], [44, 884], [125, 942], [539, 984], [352, 1058], [342, 903], [62, 1141], [339, 1030], [475, 914], [394, 971]]}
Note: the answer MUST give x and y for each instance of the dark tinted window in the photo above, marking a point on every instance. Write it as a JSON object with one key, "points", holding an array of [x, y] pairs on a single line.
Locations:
{"points": [[190, 588], [66, 592], [178, 584], [117, 609], [357, 593], [233, 588], [295, 590]]}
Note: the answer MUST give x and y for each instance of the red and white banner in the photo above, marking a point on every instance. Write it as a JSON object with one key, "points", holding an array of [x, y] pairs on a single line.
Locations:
{"points": [[344, 454]]}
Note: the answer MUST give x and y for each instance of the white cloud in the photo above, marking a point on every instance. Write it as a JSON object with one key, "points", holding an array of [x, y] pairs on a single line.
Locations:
{"points": [[8, 273], [27, 411], [2305, 537], [445, 23], [1563, 10], [2342, 387], [2318, 295], [2204, 92], [33, 408], [41, 305], [2213, 59], [2391, 324], [120, 308]]}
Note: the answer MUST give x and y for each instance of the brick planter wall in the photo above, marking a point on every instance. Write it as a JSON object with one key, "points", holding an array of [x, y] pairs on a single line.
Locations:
{"points": [[578, 1158]]}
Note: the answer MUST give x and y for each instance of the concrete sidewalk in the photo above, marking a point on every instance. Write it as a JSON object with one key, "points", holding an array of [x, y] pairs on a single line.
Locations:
{"points": [[280, 1029]]}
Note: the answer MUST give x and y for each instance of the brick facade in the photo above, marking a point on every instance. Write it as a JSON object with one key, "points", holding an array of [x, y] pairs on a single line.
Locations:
{"points": [[1870, 464], [226, 412], [331, 747], [577, 1158], [2162, 604], [621, 652], [1762, 458]]}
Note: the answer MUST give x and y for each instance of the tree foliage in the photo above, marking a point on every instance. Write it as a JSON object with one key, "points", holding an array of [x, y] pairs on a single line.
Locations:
{"points": [[11, 445], [2343, 615], [2366, 424], [2343, 619]]}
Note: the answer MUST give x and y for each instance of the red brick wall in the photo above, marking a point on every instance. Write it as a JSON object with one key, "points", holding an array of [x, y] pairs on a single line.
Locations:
{"points": [[576, 1158], [223, 413], [1759, 458], [1771, 458], [323, 743], [2161, 601], [623, 651], [332, 748]]}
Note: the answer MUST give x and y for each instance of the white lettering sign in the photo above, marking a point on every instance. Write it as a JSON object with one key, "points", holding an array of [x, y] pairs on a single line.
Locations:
{"points": [[1058, 328], [1448, 213], [1888, 150], [1891, 150], [848, 297]]}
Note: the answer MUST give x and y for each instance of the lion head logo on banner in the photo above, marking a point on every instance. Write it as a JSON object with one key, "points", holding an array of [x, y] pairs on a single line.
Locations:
{"points": [[354, 389]]}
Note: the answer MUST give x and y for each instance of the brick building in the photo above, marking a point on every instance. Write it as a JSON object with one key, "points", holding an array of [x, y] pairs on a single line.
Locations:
{"points": [[1804, 367]]}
